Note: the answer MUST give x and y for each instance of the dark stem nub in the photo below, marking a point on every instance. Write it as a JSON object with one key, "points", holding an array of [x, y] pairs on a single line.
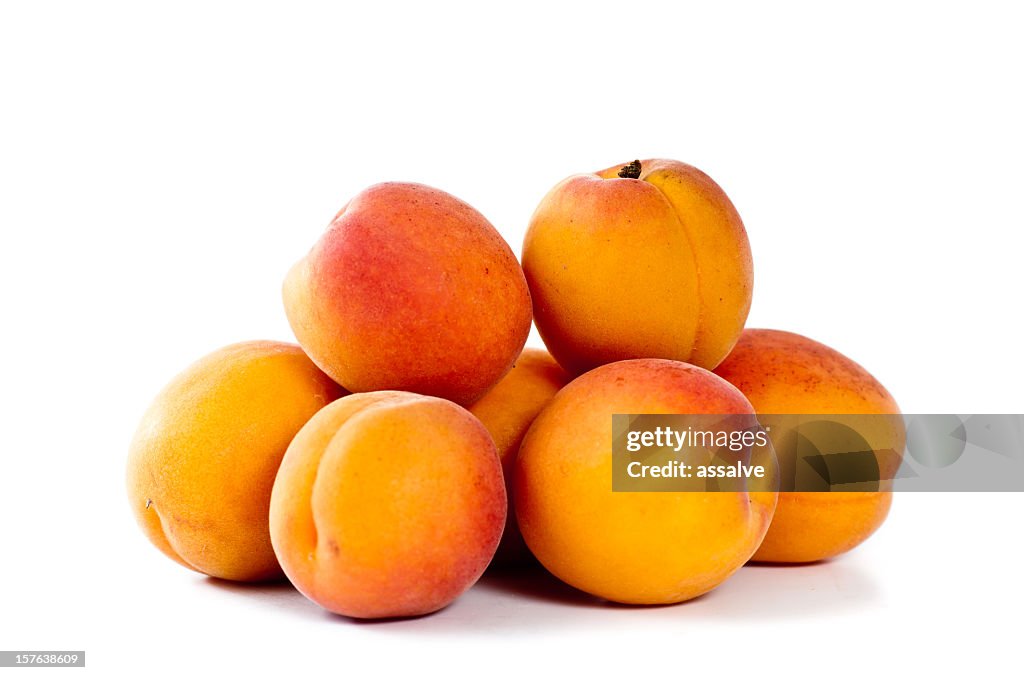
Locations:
{"points": [[630, 170]]}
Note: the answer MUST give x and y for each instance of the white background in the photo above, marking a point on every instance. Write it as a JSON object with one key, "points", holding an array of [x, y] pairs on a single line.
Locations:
{"points": [[160, 169]]}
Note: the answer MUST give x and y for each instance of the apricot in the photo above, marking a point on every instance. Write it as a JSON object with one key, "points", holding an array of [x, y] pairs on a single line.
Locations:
{"points": [[647, 260], [507, 412], [388, 504], [410, 289], [639, 547], [786, 373], [203, 461]]}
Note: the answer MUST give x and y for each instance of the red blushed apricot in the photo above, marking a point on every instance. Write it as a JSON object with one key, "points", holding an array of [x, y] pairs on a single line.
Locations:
{"points": [[388, 504], [786, 373], [630, 547], [645, 260], [507, 412], [410, 289]]}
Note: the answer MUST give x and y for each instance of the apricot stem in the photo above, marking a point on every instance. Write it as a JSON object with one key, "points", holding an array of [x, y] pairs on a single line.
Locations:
{"points": [[630, 170]]}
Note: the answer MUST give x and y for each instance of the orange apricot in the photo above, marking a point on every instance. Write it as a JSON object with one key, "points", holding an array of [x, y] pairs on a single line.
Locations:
{"points": [[388, 504], [786, 373], [630, 547], [507, 412], [647, 260], [204, 458]]}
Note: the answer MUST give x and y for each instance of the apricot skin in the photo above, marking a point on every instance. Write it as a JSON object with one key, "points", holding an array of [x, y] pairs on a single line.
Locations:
{"points": [[410, 289], [388, 504], [641, 547], [204, 458], [507, 412], [621, 268], [786, 373]]}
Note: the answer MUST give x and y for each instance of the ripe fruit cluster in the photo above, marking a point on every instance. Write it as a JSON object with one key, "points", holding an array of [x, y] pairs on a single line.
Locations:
{"points": [[409, 441]]}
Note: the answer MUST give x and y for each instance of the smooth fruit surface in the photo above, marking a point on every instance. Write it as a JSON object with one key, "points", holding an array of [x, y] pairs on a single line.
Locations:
{"points": [[204, 458], [656, 265], [786, 373], [507, 412], [640, 547], [388, 504], [410, 289]]}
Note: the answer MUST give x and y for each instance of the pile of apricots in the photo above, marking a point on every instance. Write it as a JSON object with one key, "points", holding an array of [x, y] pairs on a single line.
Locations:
{"points": [[409, 441]]}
